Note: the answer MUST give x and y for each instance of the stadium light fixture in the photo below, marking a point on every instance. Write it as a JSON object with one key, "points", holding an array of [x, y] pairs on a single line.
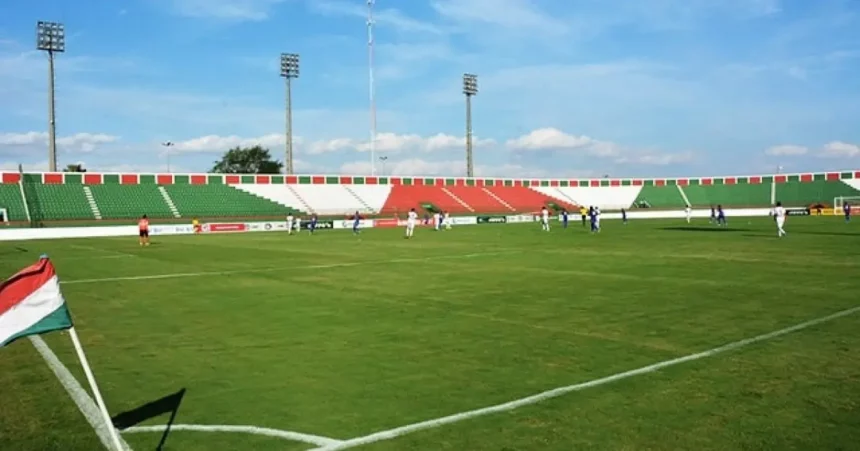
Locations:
{"points": [[470, 88], [383, 159], [289, 70], [371, 86], [51, 38], [167, 145]]}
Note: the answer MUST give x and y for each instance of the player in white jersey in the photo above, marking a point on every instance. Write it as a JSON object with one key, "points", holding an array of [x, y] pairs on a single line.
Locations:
{"points": [[597, 218], [290, 220], [689, 212], [298, 224], [437, 220], [544, 219], [411, 219], [779, 216], [447, 220]]}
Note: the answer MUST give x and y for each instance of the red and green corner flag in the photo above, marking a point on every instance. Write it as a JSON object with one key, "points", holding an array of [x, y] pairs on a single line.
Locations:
{"points": [[31, 303]]}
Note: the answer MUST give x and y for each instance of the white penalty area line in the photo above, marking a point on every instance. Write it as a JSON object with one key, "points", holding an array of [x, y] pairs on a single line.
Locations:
{"points": [[80, 396], [254, 430], [291, 267], [554, 393]]}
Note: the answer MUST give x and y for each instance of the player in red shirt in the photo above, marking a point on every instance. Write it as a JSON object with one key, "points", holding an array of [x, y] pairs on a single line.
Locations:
{"points": [[143, 227]]}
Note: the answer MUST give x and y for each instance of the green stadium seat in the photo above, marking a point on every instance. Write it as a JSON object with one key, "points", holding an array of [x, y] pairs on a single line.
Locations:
{"points": [[130, 201], [659, 197], [11, 200], [58, 202], [737, 195], [222, 201]]}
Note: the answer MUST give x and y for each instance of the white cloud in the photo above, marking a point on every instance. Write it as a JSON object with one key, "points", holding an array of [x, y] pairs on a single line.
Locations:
{"points": [[786, 150], [657, 159], [385, 142], [549, 138], [386, 16], [234, 10], [215, 143], [80, 142], [508, 14], [839, 149]]}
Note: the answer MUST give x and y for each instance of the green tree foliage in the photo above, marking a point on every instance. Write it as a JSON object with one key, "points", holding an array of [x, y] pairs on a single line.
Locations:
{"points": [[74, 168], [247, 160]]}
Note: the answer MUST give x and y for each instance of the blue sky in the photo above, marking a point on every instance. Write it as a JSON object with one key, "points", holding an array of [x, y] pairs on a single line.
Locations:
{"points": [[567, 87]]}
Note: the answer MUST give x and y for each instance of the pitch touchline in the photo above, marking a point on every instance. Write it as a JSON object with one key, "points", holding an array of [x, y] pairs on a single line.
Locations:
{"points": [[280, 268], [403, 430]]}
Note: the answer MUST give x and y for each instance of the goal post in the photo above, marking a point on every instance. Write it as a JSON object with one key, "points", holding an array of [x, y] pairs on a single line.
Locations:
{"points": [[840, 201]]}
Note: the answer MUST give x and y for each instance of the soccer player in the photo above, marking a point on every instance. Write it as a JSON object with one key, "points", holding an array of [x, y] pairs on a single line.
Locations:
{"points": [[143, 228], [597, 217], [447, 219], [290, 223], [356, 221], [195, 225], [713, 215], [624, 216], [721, 216], [846, 208], [779, 215], [584, 212], [437, 220], [564, 218], [592, 214], [689, 213], [298, 224], [410, 223], [544, 219], [313, 225]]}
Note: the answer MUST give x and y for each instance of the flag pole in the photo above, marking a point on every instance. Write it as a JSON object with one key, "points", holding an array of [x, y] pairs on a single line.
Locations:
{"points": [[92, 380]]}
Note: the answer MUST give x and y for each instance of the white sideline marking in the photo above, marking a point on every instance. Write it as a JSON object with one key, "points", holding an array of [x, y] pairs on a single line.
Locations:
{"points": [[281, 268], [397, 432], [80, 396], [254, 430]]}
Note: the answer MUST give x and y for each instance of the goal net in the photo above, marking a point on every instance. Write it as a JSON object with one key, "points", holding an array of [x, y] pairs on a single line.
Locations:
{"points": [[852, 201]]}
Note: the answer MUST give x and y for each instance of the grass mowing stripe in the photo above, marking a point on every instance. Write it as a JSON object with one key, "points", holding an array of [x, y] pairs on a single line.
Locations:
{"points": [[80, 396], [255, 430], [554, 393], [293, 267]]}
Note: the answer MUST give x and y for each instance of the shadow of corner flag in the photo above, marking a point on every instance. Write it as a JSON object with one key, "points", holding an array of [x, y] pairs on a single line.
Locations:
{"points": [[168, 404]]}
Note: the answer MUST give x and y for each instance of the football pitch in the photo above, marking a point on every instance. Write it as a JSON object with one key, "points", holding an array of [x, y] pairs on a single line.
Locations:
{"points": [[653, 335]]}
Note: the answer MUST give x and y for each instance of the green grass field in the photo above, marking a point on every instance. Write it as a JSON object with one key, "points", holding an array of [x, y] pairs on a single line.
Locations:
{"points": [[341, 337]]}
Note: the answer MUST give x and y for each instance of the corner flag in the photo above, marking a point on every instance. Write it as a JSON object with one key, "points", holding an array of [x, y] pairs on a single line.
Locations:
{"points": [[31, 304]]}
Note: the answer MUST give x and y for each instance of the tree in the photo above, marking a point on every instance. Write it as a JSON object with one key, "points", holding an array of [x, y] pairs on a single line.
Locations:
{"points": [[74, 168], [247, 160]]}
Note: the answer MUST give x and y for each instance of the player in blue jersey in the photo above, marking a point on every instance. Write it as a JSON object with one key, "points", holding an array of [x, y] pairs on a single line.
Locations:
{"points": [[624, 216], [313, 225], [713, 215], [592, 214], [356, 221], [846, 208], [564, 218], [721, 216]]}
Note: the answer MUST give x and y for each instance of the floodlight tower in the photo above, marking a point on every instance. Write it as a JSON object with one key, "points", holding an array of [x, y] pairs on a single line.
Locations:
{"points": [[371, 86], [167, 145], [51, 37], [470, 88], [289, 70]]}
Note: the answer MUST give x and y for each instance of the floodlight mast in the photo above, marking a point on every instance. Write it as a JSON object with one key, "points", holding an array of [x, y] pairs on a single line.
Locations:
{"points": [[470, 88], [371, 86], [289, 70], [51, 38]]}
